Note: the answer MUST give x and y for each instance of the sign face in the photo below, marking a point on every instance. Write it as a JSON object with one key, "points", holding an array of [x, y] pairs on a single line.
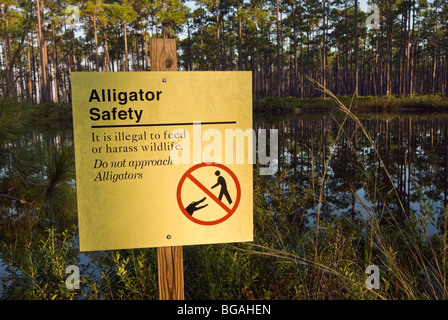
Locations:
{"points": [[163, 158]]}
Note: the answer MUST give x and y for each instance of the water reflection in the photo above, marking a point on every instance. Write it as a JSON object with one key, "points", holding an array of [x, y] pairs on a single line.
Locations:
{"points": [[404, 164], [31, 164]]}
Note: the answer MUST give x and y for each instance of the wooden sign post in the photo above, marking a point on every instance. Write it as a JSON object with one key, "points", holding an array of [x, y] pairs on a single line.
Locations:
{"points": [[169, 259]]}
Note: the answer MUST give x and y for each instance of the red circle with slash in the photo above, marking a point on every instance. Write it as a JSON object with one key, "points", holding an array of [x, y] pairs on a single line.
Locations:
{"points": [[229, 211]]}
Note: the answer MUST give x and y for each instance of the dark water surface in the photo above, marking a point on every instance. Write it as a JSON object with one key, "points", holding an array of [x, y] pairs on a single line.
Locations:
{"points": [[395, 162]]}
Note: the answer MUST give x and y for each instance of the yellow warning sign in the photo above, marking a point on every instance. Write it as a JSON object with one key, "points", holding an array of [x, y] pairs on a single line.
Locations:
{"points": [[163, 158]]}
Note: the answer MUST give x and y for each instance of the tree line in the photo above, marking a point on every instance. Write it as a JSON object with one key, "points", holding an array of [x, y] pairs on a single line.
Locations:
{"points": [[283, 43]]}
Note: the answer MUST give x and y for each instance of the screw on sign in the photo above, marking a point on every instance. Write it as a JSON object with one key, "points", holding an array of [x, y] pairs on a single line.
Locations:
{"points": [[225, 203]]}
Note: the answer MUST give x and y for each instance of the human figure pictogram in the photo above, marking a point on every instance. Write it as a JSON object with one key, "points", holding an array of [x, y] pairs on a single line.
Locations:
{"points": [[224, 191]]}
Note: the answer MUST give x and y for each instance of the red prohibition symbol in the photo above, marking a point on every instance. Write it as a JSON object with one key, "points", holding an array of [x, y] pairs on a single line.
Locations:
{"points": [[228, 211]]}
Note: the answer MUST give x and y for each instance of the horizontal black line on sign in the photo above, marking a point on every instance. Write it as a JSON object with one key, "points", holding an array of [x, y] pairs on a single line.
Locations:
{"points": [[162, 124]]}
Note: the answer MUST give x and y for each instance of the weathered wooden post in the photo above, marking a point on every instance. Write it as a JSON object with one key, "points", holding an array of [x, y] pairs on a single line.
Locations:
{"points": [[169, 259]]}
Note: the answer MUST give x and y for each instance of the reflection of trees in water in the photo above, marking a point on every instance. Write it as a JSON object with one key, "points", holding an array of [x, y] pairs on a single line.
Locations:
{"points": [[36, 181], [414, 150]]}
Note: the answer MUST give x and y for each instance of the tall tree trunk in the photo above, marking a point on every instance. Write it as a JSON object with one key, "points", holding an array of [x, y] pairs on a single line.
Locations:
{"points": [[389, 48], [9, 67], [64, 86], [400, 79], [356, 50], [279, 72], [106, 51], [294, 74], [75, 63], [189, 60], [29, 78], [55, 67], [44, 77], [2, 80], [434, 67], [408, 66], [324, 46], [240, 42], [302, 71], [202, 47], [157, 18], [97, 64], [223, 46], [126, 62], [33, 68], [145, 43], [346, 50], [218, 39], [413, 53], [380, 65]]}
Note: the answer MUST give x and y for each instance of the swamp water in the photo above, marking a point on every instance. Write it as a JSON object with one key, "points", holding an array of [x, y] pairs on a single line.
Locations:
{"points": [[394, 164]]}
